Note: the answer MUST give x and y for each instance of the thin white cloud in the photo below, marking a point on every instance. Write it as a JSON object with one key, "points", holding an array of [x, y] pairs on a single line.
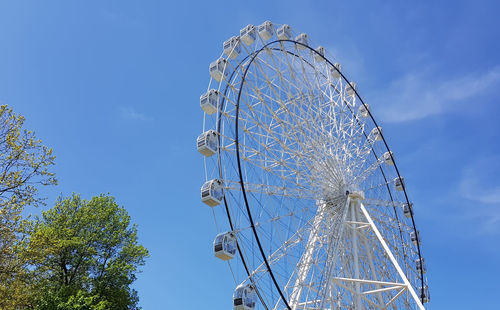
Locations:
{"points": [[473, 190], [476, 187], [416, 95], [129, 113]]}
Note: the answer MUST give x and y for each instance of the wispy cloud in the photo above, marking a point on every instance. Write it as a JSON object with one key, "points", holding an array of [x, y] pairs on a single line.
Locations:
{"points": [[484, 194], [417, 95], [472, 189], [129, 113]]}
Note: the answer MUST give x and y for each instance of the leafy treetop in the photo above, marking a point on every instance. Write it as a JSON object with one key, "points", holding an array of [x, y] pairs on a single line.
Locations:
{"points": [[88, 251]]}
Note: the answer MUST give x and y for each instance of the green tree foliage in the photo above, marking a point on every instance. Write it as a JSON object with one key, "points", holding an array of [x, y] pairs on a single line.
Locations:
{"points": [[24, 165], [84, 254]]}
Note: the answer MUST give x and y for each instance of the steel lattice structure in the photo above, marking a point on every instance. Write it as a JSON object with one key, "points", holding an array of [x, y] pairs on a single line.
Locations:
{"points": [[301, 176]]}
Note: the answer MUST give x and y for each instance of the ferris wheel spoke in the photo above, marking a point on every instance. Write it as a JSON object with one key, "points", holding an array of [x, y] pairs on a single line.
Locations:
{"points": [[270, 163], [293, 158], [282, 208], [377, 186], [284, 81], [281, 138], [300, 124], [262, 223], [266, 145], [400, 256], [383, 203], [300, 90], [363, 175], [346, 110], [285, 247], [273, 190], [386, 213], [300, 97], [269, 113]]}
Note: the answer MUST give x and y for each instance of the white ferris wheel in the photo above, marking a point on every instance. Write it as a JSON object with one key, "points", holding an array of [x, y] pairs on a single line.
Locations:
{"points": [[310, 207]]}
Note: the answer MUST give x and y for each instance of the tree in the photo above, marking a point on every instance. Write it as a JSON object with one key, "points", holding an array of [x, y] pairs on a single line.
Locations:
{"points": [[84, 255], [24, 165]]}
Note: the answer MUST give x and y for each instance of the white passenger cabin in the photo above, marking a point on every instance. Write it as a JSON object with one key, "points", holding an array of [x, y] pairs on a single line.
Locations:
{"points": [[302, 38], [335, 71], [415, 237], [363, 110], [399, 183], [350, 88], [244, 297], [424, 294], [284, 32], [420, 265], [207, 143], [320, 54], [209, 101], [408, 209], [376, 133], [388, 158], [218, 69], [232, 47], [266, 30], [248, 34], [212, 192], [225, 245]]}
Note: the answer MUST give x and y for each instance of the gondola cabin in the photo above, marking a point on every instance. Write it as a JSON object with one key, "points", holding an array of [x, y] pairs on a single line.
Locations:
{"points": [[320, 54], [218, 69], [335, 71], [244, 297], [424, 294], [408, 209], [363, 110], [303, 40], [415, 237], [232, 47], [388, 158], [209, 101], [248, 34], [225, 245], [376, 133], [350, 88], [399, 183], [284, 32], [207, 143], [266, 30], [212, 192], [420, 264]]}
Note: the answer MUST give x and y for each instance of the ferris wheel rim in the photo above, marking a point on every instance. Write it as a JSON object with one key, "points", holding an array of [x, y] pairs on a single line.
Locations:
{"points": [[247, 205]]}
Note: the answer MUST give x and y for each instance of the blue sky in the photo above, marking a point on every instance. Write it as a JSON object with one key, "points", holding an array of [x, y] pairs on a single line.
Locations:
{"points": [[113, 87]]}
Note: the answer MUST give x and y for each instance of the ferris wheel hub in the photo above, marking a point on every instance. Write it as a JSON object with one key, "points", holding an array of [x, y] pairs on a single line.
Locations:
{"points": [[358, 195]]}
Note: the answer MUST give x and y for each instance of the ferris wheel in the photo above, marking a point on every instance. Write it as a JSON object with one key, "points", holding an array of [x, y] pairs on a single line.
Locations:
{"points": [[310, 207]]}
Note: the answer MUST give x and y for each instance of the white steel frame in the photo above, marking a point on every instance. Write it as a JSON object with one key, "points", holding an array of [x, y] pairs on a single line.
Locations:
{"points": [[290, 144], [356, 225]]}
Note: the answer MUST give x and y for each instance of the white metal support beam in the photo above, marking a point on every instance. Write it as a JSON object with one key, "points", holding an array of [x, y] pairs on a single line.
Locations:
{"points": [[372, 268], [307, 259], [391, 257], [354, 236], [334, 256]]}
